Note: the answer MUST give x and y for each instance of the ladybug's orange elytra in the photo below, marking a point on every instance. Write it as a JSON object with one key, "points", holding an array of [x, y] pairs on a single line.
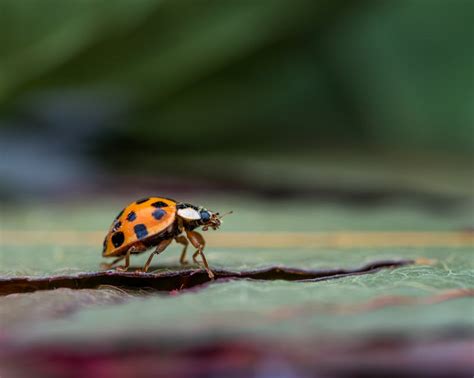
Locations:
{"points": [[156, 222]]}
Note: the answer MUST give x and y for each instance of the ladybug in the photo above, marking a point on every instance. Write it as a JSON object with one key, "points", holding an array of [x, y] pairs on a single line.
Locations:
{"points": [[156, 222]]}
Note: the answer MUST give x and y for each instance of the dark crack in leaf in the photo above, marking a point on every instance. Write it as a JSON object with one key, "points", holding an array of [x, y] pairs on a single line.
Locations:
{"points": [[187, 279]]}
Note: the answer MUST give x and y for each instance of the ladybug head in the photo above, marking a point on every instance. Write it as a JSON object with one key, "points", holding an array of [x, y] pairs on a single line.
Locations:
{"points": [[211, 219], [199, 216]]}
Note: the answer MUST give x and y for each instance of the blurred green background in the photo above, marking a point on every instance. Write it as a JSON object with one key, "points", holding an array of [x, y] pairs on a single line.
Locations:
{"points": [[239, 95]]}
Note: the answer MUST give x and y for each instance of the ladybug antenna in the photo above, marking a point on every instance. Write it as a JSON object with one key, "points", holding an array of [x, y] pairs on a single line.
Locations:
{"points": [[223, 215]]}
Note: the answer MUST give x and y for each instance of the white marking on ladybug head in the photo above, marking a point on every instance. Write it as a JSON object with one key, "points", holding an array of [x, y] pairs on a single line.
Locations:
{"points": [[189, 213]]}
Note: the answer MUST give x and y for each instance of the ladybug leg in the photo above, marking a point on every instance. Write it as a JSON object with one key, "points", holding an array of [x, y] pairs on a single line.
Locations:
{"points": [[159, 248], [182, 240], [107, 266], [198, 241], [124, 268]]}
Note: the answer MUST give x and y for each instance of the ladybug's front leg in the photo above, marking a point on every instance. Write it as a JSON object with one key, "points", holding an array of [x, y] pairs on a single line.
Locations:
{"points": [[198, 241], [195, 255]]}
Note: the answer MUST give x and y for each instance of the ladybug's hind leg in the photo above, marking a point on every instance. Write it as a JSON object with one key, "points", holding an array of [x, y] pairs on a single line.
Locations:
{"points": [[182, 240], [159, 248], [107, 266], [198, 241], [124, 268]]}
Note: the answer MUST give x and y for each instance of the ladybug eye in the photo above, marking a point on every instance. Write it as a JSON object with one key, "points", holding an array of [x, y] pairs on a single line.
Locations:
{"points": [[205, 216]]}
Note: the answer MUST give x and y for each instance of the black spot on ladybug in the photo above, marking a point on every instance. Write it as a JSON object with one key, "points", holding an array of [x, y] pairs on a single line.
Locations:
{"points": [[117, 225], [140, 230], [117, 239], [205, 216], [131, 216], [119, 214], [158, 214], [159, 204], [142, 201]]}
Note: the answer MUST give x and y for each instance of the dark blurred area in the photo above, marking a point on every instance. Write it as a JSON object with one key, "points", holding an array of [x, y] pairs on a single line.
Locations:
{"points": [[101, 97]]}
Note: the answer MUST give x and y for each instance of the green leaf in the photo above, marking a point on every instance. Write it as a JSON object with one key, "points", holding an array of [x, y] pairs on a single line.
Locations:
{"points": [[244, 308]]}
